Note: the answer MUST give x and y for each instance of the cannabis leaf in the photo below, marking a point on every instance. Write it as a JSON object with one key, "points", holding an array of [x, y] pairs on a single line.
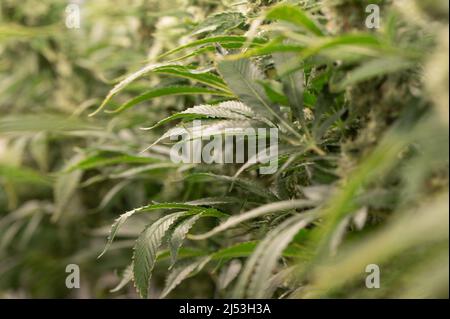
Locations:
{"points": [[146, 248]]}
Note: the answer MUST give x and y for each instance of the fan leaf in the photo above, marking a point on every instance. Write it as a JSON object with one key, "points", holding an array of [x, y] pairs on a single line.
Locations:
{"points": [[254, 213], [146, 249]]}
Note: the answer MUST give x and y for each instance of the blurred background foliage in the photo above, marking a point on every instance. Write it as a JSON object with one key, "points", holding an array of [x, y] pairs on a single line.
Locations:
{"points": [[378, 169]]}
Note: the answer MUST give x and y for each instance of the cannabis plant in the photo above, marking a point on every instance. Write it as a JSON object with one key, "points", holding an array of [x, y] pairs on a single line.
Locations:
{"points": [[361, 183]]}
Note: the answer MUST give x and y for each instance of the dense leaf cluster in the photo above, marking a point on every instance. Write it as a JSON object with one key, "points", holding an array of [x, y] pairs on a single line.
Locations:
{"points": [[363, 149]]}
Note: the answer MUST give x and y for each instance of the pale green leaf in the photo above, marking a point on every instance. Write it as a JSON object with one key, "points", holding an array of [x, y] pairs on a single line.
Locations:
{"points": [[182, 272], [168, 91], [231, 110], [221, 39], [263, 261], [242, 76], [293, 14], [127, 276], [146, 249], [254, 213], [179, 234]]}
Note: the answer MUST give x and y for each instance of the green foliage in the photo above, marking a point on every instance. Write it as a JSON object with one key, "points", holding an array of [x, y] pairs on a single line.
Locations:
{"points": [[363, 149]]}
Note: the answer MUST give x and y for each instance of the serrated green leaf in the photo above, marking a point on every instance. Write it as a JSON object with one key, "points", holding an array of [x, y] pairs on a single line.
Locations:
{"points": [[146, 249], [211, 201], [247, 185], [180, 231], [125, 82], [180, 273], [221, 39], [264, 259], [193, 207], [293, 14], [262, 156], [231, 110], [191, 73], [293, 85], [127, 276], [211, 128], [242, 76], [254, 213], [212, 48], [179, 234], [116, 226], [168, 91]]}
